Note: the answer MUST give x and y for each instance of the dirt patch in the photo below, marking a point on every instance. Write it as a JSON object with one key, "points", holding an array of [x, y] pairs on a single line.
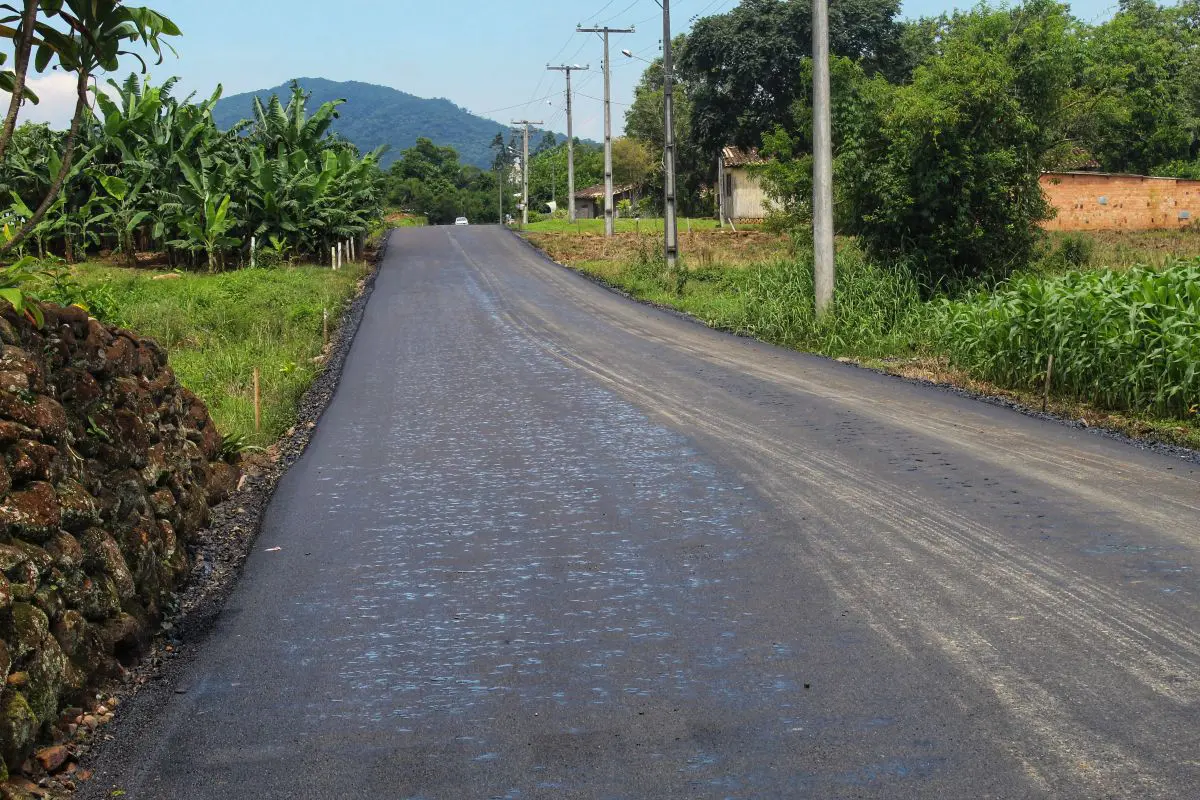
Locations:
{"points": [[1169, 436]]}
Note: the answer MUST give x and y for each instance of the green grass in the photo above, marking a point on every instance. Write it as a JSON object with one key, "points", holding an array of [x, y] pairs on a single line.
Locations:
{"points": [[218, 328], [878, 312], [1120, 340], [596, 226]]}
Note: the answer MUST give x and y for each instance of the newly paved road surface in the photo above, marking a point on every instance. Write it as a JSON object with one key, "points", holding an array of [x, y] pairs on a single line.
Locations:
{"points": [[549, 543]]}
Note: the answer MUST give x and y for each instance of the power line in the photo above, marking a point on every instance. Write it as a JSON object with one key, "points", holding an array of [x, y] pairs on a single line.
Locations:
{"points": [[601, 99], [621, 13], [518, 105]]}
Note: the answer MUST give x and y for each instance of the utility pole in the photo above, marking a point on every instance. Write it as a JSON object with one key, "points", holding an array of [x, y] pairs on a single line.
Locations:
{"points": [[823, 264], [570, 139], [609, 226], [525, 170], [500, 187], [670, 221]]}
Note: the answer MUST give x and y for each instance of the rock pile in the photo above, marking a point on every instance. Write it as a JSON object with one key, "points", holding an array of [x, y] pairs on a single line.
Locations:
{"points": [[107, 470]]}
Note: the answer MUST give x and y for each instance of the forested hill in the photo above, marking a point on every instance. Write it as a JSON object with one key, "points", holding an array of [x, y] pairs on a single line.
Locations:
{"points": [[377, 115]]}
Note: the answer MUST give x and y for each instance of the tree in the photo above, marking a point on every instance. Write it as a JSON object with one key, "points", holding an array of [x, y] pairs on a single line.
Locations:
{"points": [[743, 66], [429, 180], [944, 172], [95, 37], [644, 123], [548, 172], [787, 174], [632, 162], [548, 142], [1145, 64]]}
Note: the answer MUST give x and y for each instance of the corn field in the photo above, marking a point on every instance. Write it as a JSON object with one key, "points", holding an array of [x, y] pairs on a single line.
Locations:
{"points": [[1120, 340]]}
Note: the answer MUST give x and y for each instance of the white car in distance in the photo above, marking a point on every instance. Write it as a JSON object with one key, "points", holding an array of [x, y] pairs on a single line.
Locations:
{"points": [[461, 221]]}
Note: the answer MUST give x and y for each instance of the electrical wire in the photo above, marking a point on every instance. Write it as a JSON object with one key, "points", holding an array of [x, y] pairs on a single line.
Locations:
{"points": [[518, 105], [601, 99], [622, 12]]}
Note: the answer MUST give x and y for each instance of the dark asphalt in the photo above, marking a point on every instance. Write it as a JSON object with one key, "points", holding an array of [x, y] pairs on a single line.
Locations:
{"points": [[549, 543]]}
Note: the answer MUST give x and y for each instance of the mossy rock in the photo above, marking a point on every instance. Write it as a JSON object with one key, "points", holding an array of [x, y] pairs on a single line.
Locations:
{"points": [[18, 728]]}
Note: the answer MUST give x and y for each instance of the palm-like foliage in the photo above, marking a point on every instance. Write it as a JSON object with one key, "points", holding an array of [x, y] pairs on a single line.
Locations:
{"points": [[161, 176]]}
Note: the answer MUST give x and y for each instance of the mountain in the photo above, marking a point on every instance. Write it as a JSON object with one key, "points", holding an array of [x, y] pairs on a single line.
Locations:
{"points": [[377, 115]]}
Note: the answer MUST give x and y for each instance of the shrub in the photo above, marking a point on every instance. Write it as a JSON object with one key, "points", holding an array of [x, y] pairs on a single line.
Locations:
{"points": [[1076, 250], [944, 170]]}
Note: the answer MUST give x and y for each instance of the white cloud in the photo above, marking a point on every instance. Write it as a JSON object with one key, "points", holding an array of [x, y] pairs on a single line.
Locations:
{"points": [[57, 94]]}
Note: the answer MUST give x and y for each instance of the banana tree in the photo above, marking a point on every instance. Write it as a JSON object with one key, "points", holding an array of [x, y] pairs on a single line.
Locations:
{"points": [[122, 211], [96, 36], [210, 231]]}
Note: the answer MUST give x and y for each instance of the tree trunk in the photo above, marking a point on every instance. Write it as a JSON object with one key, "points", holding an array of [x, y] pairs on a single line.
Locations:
{"points": [[67, 160], [21, 69]]}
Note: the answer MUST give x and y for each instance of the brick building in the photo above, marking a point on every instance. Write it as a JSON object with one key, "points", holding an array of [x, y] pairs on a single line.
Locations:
{"points": [[1097, 201]]}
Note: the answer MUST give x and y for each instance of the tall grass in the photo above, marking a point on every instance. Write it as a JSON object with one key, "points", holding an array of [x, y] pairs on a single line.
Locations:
{"points": [[877, 310], [1120, 340], [218, 328]]}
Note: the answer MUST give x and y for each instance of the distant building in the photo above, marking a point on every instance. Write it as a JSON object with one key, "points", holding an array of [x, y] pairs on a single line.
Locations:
{"points": [[1098, 201], [589, 202], [742, 198]]}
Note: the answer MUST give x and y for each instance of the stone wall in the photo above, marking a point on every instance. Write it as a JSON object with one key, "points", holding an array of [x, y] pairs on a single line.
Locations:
{"points": [[1089, 201], [107, 470]]}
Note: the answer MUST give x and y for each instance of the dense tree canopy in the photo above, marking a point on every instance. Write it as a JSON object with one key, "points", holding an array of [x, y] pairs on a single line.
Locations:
{"points": [[430, 181], [743, 67]]}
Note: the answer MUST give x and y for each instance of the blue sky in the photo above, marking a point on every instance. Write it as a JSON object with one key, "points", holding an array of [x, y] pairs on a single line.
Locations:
{"points": [[487, 57]]}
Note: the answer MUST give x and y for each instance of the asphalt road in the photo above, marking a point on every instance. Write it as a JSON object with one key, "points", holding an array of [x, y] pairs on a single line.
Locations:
{"points": [[550, 543]]}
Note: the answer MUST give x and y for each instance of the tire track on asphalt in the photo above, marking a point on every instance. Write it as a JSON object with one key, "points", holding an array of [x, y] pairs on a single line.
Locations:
{"points": [[1144, 645]]}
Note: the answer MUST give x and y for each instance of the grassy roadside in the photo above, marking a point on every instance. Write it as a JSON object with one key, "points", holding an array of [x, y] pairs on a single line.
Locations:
{"points": [[595, 227], [881, 321], [218, 328]]}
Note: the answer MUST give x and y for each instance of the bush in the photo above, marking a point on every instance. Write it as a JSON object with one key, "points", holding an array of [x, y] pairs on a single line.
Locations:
{"points": [[944, 170], [1076, 250], [1120, 340]]}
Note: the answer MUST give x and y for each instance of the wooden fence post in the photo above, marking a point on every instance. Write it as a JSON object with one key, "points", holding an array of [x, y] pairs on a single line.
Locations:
{"points": [[257, 403], [1049, 373]]}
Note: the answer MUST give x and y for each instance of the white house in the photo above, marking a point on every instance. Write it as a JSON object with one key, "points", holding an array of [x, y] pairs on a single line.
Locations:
{"points": [[742, 198]]}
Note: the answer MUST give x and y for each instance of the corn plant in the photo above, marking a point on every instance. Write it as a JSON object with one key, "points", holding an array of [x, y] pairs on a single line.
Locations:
{"points": [[1120, 340]]}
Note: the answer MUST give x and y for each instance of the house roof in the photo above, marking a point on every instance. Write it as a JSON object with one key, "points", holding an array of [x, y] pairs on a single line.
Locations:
{"points": [[597, 191], [739, 157]]}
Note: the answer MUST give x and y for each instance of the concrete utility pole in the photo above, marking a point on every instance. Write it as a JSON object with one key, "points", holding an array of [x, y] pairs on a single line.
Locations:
{"points": [[525, 170], [823, 265], [670, 222], [570, 138], [609, 227]]}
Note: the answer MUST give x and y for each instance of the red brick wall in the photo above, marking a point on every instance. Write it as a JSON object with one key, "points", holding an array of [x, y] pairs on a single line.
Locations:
{"points": [[1096, 202]]}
